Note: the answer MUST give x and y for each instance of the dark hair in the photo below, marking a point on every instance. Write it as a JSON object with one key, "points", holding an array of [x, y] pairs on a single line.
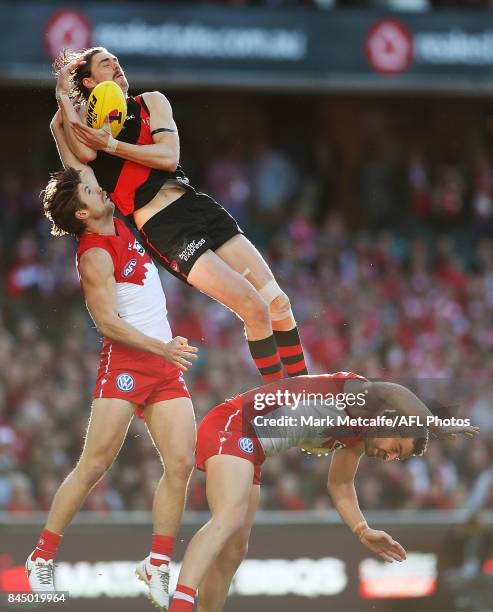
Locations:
{"points": [[61, 201], [77, 89], [420, 445]]}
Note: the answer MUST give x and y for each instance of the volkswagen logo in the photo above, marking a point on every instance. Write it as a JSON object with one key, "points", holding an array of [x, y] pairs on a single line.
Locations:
{"points": [[125, 382], [246, 445]]}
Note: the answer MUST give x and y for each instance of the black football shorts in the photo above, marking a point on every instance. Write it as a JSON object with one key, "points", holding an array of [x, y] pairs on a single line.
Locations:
{"points": [[180, 233]]}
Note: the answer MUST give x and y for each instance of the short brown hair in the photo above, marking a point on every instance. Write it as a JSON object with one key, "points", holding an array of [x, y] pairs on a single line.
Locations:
{"points": [[420, 445], [61, 201], [77, 89]]}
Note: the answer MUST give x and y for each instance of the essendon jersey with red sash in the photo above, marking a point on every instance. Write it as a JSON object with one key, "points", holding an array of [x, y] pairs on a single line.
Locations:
{"points": [[298, 411], [132, 185]]}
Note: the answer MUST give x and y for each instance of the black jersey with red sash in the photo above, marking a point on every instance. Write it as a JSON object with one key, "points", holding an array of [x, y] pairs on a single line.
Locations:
{"points": [[132, 185]]}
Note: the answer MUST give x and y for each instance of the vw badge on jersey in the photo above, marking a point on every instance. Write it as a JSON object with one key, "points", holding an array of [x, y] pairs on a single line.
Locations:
{"points": [[125, 382], [129, 269], [246, 445]]}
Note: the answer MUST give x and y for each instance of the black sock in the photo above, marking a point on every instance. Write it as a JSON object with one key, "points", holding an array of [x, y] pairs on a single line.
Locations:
{"points": [[266, 358], [291, 351]]}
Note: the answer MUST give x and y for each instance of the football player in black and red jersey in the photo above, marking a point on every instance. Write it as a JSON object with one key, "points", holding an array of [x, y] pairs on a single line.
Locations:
{"points": [[191, 235]]}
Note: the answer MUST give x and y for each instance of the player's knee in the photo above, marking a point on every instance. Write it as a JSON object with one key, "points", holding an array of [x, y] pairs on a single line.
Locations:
{"points": [[278, 302], [178, 470], [230, 520], [253, 309], [280, 307], [93, 469], [236, 551]]}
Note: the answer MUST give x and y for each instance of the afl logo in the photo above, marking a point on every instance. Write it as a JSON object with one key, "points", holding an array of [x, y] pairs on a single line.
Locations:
{"points": [[246, 445], [125, 382], [129, 269]]}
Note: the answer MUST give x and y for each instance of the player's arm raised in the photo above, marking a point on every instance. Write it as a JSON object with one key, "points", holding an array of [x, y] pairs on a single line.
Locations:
{"points": [[342, 471], [97, 276], [164, 154], [83, 152], [68, 159]]}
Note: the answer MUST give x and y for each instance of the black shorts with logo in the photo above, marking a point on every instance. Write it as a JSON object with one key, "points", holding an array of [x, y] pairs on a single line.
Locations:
{"points": [[180, 233]]}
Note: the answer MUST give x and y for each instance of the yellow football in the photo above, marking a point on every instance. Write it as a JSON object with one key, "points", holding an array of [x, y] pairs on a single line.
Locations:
{"points": [[107, 100]]}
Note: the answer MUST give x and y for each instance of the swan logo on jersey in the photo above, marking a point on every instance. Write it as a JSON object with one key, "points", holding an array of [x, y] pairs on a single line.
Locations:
{"points": [[246, 445], [129, 269], [125, 382], [139, 248]]}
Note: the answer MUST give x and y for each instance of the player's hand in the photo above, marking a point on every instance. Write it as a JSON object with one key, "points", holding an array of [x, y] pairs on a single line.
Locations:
{"points": [[383, 545], [63, 84], [451, 432], [94, 139], [179, 352]]}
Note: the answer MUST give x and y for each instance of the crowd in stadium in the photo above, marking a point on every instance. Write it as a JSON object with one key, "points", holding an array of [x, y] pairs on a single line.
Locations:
{"points": [[409, 298]]}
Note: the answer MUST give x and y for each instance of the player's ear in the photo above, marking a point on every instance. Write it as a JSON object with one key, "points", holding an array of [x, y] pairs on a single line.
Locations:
{"points": [[81, 214], [89, 83]]}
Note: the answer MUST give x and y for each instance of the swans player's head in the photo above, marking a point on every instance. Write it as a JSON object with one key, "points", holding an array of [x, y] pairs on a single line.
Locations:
{"points": [[75, 204]]}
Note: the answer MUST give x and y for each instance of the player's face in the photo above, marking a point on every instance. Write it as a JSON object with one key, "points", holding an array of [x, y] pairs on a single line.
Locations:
{"points": [[389, 449], [106, 67], [96, 201]]}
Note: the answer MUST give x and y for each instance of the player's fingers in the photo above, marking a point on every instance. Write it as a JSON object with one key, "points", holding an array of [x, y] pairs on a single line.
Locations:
{"points": [[398, 549], [386, 557]]}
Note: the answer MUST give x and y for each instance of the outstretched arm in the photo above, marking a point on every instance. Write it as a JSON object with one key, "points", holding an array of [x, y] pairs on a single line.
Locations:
{"points": [[342, 471], [164, 154], [97, 275], [84, 153], [384, 395], [69, 160]]}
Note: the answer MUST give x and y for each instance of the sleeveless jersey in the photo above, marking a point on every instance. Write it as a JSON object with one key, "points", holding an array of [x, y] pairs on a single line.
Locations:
{"points": [[129, 184], [140, 296], [312, 413]]}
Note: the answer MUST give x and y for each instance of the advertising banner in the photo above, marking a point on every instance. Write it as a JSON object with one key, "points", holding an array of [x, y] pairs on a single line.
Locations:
{"points": [[204, 46], [306, 565]]}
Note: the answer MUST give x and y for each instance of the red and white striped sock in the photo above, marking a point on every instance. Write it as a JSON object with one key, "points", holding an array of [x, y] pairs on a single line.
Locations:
{"points": [[161, 549], [183, 599], [47, 545]]}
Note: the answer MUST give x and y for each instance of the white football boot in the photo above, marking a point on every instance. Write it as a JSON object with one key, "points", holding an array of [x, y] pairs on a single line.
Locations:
{"points": [[157, 579], [41, 574]]}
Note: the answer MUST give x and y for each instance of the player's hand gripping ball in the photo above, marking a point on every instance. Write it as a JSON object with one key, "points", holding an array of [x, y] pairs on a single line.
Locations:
{"points": [[107, 100]]}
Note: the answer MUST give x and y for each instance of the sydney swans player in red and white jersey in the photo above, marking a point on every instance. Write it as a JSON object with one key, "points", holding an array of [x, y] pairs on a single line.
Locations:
{"points": [[140, 370], [190, 233], [235, 438]]}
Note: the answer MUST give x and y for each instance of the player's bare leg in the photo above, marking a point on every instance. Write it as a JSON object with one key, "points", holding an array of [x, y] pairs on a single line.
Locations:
{"points": [[229, 487], [171, 425], [213, 276], [215, 586], [108, 425], [241, 255]]}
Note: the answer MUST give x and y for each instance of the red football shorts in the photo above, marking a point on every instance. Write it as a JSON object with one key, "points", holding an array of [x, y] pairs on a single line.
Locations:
{"points": [[138, 377], [222, 432]]}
